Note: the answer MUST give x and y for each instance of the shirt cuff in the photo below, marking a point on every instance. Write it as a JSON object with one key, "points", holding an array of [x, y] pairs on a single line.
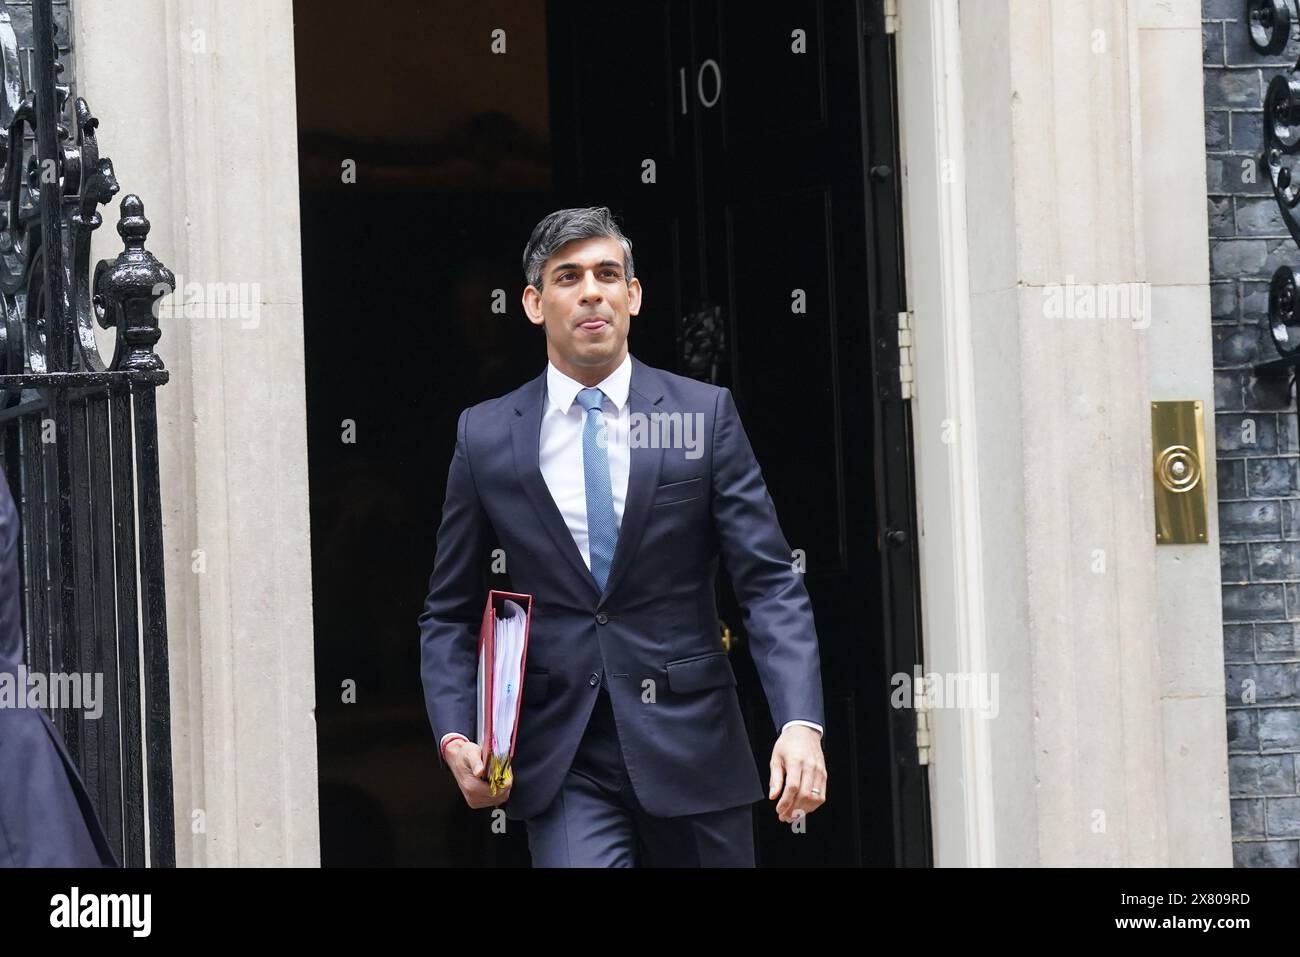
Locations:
{"points": [[809, 724], [447, 738]]}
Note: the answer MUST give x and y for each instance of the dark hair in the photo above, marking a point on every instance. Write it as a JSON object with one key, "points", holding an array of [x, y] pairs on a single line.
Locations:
{"points": [[564, 226]]}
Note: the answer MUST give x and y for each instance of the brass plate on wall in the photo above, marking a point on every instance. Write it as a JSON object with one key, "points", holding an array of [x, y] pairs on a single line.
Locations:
{"points": [[1178, 471]]}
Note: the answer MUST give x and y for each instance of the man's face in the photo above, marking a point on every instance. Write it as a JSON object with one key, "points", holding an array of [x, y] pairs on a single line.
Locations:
{"points": [[585, 306]]}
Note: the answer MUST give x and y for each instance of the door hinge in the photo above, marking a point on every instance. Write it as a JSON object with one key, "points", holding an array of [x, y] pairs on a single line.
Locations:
{"points": [[891, 16], [922, 705], [906, 375]]}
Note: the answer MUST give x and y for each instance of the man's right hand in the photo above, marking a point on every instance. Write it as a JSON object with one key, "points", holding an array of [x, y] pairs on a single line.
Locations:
{"points": [[466, 762]]}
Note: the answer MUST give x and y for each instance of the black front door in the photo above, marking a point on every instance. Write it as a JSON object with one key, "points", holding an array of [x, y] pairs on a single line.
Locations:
{"points": [[752, 159]]}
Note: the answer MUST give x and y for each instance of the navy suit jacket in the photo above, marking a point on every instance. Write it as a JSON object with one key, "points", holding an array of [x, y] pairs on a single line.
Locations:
{"points": [[46, 816], [654, 630]]}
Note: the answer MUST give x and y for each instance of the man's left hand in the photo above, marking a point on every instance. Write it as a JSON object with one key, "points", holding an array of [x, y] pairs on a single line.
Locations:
{"points": [[797, 769]]}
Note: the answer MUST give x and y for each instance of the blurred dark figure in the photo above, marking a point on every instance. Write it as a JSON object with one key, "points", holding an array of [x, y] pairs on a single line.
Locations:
{"points": [[46, 818]]}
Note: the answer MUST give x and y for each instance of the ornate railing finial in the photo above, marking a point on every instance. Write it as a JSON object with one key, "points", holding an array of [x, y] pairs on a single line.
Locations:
{"points": [[127, 291]]}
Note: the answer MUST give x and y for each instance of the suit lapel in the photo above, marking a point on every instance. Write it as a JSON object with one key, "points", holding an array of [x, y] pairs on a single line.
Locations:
{"points": [[645, 463]]}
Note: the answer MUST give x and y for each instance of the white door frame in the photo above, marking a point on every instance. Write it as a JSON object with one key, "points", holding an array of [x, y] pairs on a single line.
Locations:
{"points": [[930, 105]]}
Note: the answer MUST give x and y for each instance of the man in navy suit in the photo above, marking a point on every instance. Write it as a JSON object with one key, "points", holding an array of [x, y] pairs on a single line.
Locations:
{"points": [[46, 816], [613, 489]]}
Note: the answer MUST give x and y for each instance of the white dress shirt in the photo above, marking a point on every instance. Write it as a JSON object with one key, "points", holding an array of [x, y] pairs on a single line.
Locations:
{"points": [[560, 447], [560, 458]]}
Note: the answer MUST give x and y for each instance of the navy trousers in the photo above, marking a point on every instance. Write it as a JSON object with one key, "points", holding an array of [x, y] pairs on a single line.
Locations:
{"points": [[596, 820]]}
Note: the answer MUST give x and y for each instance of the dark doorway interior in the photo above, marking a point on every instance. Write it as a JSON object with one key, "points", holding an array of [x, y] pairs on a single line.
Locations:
{"points": [[755, 180]]}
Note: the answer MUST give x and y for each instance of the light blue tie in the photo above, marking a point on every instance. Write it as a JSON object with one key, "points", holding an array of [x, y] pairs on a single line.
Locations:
{"points": [[602, 527]]}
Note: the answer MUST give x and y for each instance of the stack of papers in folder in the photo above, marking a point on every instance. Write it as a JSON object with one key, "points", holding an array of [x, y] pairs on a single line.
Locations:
{"points": [[502, 652]]}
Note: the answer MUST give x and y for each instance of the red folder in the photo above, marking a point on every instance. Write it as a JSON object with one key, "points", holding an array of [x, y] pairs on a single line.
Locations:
{"points": [[497, 766]]}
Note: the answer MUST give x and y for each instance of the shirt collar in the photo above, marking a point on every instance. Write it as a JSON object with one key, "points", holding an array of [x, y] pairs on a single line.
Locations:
{"points": [[562, 390]]}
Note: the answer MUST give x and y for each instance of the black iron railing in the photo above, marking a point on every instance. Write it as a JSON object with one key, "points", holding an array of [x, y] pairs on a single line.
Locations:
{"points": [[1272, 23], [80, 442]]}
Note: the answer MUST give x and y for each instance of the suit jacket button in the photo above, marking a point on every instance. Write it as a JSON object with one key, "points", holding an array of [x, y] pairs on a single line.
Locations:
{"points": [[594, 680], [602, 618]]}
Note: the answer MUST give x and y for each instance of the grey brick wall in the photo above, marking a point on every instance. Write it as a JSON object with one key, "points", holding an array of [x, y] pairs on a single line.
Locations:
{"points": [[1257, 448]]}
